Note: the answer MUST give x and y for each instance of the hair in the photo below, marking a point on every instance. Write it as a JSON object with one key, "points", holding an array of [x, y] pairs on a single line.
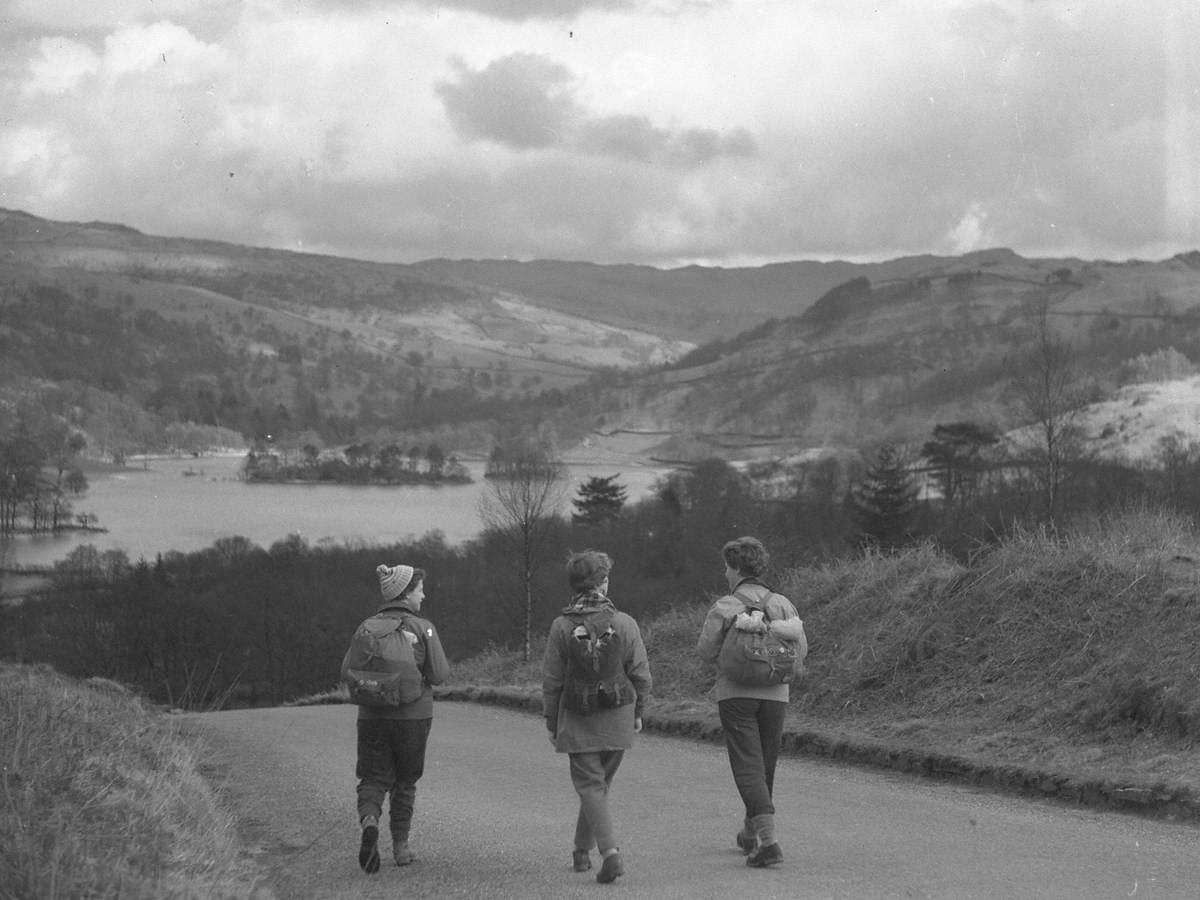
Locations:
{"points": [[417, 578], [746, 556], [588, 569]]}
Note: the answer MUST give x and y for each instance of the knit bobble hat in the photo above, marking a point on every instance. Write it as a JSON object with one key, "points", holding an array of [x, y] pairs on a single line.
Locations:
{"points": [[393, 580]]}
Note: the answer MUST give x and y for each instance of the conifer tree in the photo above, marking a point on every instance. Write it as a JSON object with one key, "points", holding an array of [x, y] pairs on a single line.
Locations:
{"points": [[600, 500], [884, 500]]}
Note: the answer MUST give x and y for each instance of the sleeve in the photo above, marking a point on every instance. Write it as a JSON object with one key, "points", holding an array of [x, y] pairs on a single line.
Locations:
{"points": [[554, 669], [787, 624], [436, 668], [352, 660], [712, 633], [637, 669]]}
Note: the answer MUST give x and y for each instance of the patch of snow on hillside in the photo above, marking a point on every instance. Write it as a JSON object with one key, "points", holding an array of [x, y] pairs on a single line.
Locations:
{"points": [[1130, 426]]}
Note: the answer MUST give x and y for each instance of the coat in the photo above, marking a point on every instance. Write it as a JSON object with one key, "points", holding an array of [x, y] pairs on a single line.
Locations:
{"points": [[606, 729]]}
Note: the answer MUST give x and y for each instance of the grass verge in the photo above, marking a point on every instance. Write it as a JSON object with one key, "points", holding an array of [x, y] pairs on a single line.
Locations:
{"points": [[101, 797], [1059, 665]]}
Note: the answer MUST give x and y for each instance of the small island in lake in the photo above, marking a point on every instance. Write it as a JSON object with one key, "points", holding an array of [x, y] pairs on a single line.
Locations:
{"points": [[356, 464]]}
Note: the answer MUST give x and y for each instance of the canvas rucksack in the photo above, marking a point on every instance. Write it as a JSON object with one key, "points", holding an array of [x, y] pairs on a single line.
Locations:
{"points": [[383, 668], [596, 676], [757, 657]]}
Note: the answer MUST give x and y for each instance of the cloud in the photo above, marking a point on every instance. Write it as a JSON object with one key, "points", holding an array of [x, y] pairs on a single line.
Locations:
{"points": [[529, 102], [60, 66], [653, 131], [970, 233], [636, 138], [511, 10], [522, 101]]}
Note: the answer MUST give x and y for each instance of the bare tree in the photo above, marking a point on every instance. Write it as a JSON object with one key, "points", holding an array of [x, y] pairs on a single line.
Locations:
{"points": [[1050, 399], [526, 489]]}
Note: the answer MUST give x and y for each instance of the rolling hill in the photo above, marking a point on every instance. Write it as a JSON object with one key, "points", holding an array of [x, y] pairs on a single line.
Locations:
{"points": [[888, 360], [625, 360]]}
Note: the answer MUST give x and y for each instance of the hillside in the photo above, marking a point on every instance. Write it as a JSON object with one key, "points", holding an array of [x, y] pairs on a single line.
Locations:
{"points": [[619, 361], [134, 332], [871, 361]]}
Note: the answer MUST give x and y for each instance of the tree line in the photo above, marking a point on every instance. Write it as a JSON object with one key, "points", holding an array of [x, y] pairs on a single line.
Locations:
{"points": [[357, 463], [248, 625], [39, 470]]}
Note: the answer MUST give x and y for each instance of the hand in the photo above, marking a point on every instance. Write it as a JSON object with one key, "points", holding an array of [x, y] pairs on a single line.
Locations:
{"points": [[637, 724]]}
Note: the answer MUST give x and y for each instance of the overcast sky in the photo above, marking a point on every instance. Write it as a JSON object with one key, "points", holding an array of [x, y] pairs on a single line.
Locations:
{"points": [[665, 132]]}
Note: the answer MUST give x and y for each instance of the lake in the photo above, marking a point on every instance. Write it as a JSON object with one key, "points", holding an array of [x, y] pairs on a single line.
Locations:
{"points": [[187, 504]]}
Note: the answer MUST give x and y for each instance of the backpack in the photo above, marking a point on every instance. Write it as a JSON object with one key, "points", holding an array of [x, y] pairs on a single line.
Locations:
{"points": [[757, 657], [596, 676], [387, 673]]}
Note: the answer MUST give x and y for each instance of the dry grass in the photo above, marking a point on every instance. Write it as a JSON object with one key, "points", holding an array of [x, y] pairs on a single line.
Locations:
{"points": [[101, 797], [1078, 651]]}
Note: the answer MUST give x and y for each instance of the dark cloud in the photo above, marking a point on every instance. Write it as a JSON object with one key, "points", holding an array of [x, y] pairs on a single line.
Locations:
{"points": [[636, 138], [522, 101], [527, 102]]}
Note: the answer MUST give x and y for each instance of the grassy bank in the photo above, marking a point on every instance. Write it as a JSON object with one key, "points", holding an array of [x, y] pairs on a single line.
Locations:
{"points": [[1065, 663], [101, 797]]}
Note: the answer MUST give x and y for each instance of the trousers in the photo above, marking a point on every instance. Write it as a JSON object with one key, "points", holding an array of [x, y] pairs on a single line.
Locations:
{"points": [[592, 775], [753, 732], [391, 760]]}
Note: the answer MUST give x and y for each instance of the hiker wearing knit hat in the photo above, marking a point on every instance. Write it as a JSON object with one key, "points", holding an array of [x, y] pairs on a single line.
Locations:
{"points": [[394, 580], [406, 652]]}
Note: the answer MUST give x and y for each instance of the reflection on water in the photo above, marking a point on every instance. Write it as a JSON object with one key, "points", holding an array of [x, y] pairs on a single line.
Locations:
{"points": [[187, 504]]}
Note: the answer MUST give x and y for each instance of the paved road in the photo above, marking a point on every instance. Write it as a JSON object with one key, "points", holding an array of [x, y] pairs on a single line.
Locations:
{"points": [[495, 815]]}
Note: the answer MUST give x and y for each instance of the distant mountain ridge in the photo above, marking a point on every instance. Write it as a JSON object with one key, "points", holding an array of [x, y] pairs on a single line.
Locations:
{"points": [[676, 363]]}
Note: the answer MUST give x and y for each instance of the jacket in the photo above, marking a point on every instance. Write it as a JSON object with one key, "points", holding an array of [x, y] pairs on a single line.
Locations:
{"points": [[605, 729], [430, 658], [785, 621]]}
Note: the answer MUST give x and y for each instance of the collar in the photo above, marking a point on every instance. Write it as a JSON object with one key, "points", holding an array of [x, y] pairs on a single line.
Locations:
{"points": [[588, 601]]}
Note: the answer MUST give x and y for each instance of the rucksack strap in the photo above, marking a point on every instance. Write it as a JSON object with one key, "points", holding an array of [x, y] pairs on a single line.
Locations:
{"points": [[398, 620], [751, 603]]}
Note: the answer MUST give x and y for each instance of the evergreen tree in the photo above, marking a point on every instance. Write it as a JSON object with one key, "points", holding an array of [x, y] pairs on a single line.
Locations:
{"points": [[600, 500], [884, 501]]}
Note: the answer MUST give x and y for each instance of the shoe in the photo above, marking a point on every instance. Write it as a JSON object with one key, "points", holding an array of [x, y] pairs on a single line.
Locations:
{"points": [[581, 860], [770, 855], [401, 854], [747, 843], [368, 850], [610, 869]]}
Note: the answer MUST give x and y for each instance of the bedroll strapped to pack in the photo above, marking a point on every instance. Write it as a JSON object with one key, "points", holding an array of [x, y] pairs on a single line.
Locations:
{"points": [[596, 676], [758, 656], [383, 670]]}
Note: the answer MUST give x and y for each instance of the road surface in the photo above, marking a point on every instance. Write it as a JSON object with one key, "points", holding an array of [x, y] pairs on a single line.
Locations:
{"points": [[496, 811]]}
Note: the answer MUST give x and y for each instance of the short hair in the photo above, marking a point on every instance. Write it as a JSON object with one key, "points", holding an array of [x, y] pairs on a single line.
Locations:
{"points": [[746, 556], [417, 578], [588, 569]]}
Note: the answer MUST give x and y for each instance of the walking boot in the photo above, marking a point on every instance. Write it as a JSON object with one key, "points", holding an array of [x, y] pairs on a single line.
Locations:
{"points": [[746, 839], [400, 852], [610, 868], [368, 850], [767, 853], [581, 860]]}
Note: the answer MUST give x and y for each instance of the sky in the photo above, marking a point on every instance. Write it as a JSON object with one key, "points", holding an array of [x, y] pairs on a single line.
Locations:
{"points": [[656, 132]]}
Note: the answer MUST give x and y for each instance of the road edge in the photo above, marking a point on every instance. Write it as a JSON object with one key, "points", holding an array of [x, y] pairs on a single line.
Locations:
{"points": [[1158, 800]]}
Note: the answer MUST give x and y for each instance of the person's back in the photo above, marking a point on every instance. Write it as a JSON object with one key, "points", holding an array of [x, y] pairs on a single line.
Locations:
{"points": [[393, 661], [752, 713], [595, 681]]}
